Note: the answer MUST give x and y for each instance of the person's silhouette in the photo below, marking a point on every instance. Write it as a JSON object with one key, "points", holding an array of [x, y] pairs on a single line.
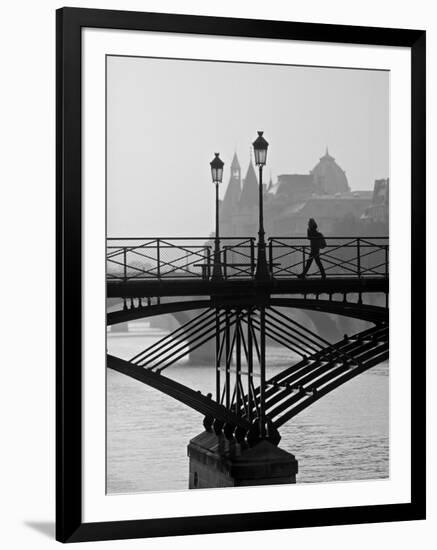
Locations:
{"points": [[317, 241]]}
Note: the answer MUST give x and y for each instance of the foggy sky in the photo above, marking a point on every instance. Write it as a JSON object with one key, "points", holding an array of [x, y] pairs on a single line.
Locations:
{"points": [[166, 118]]}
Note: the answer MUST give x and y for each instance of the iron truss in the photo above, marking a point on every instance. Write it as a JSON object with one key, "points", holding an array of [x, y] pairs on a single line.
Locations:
{"points": [[247, 404]]}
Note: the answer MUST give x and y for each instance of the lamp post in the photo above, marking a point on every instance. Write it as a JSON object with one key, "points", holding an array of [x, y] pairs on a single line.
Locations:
{"points": [[217, 176], [260, 146]]}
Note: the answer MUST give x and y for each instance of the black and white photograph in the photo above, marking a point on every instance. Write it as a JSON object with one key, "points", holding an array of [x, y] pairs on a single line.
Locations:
{"points": [[240, 275], [247, 274], [218, 275]]}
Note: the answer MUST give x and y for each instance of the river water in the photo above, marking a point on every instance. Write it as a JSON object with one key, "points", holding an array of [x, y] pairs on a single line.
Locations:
{"points": [[344, 436]]}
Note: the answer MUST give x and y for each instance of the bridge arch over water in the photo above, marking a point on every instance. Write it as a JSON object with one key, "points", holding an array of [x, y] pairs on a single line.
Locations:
{"points": [[237, 312]]}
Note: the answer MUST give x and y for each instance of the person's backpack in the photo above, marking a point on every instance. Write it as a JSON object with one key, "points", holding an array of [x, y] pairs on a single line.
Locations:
{"points": [[322, 241]]}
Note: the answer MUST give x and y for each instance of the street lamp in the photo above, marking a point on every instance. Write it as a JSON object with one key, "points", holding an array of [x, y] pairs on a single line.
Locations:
{"points": [[260, 146], [217, 176]]}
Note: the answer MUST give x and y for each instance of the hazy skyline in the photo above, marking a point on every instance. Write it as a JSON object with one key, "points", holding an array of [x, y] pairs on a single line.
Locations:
{"points": [[166, 118]]}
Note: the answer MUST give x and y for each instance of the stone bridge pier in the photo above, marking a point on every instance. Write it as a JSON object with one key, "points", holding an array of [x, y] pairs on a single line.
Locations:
{"points": [[217, 462]]}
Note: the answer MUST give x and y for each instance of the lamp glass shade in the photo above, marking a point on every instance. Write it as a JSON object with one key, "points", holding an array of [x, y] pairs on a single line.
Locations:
{"points": [[260, 146], [217, 169]]}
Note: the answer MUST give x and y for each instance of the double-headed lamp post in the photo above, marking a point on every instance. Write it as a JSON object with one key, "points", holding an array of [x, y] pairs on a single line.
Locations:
{"points": [[260, 146], [217, 177]]}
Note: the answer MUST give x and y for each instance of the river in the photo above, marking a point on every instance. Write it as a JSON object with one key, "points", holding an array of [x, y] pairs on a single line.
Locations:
{"points": [[344, 436]]}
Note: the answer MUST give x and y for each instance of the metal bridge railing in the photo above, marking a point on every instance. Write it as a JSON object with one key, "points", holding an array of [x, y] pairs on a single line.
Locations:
{"points": [[177, 258], [193, 257], [342, 257]]}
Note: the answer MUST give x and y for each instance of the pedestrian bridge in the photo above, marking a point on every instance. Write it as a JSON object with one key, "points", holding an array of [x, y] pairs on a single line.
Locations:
{"points": [[237, 311], [183, 266]]}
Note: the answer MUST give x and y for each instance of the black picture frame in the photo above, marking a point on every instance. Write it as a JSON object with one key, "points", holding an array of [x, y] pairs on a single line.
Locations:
{"points": [[69, 23]]}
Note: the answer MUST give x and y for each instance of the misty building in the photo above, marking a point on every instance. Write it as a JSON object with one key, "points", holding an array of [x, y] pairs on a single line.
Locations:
{"points": [[329, 178], [327, 210], [323, 193], [377, 212]]}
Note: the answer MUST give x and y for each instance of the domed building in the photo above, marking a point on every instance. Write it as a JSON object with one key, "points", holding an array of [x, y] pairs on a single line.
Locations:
{"points": [[328, 177], [322, 193]]}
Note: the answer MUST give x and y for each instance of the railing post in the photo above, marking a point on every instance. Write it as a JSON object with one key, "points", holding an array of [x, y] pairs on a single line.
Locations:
{"points": [[217, 354], [124, 264], [386, 261], [225, 261], [271, 257], [359, 257], [303, 258], [124, 275], [208, 263], [158, 259], [252, 256]]}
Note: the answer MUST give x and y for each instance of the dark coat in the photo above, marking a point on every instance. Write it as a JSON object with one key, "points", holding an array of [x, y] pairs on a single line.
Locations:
{"points": [[317, 241]]}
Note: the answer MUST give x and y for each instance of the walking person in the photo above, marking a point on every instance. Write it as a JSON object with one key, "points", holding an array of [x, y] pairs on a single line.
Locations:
{"points": [[317, 241]]}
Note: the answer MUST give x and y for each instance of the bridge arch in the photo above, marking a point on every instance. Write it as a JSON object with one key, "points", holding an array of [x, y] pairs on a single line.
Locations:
{"points": [[193, 399], [363, 312]]}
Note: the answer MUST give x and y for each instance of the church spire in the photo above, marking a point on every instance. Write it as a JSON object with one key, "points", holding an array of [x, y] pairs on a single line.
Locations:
{"points": [[233, 191], [235, 163], [327, 155]]}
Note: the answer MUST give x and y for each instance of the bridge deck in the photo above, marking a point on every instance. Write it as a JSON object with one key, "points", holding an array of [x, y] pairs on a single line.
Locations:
{"points": [[138, 288]]}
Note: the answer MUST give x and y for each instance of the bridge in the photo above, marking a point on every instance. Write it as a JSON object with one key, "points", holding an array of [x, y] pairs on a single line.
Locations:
{"points": [[238, 311], [140, 267]]}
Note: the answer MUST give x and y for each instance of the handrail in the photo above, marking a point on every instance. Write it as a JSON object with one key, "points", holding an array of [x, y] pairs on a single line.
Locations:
{"points": [[186, 257], [208, 238], [238, 237], [330, 237]]}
